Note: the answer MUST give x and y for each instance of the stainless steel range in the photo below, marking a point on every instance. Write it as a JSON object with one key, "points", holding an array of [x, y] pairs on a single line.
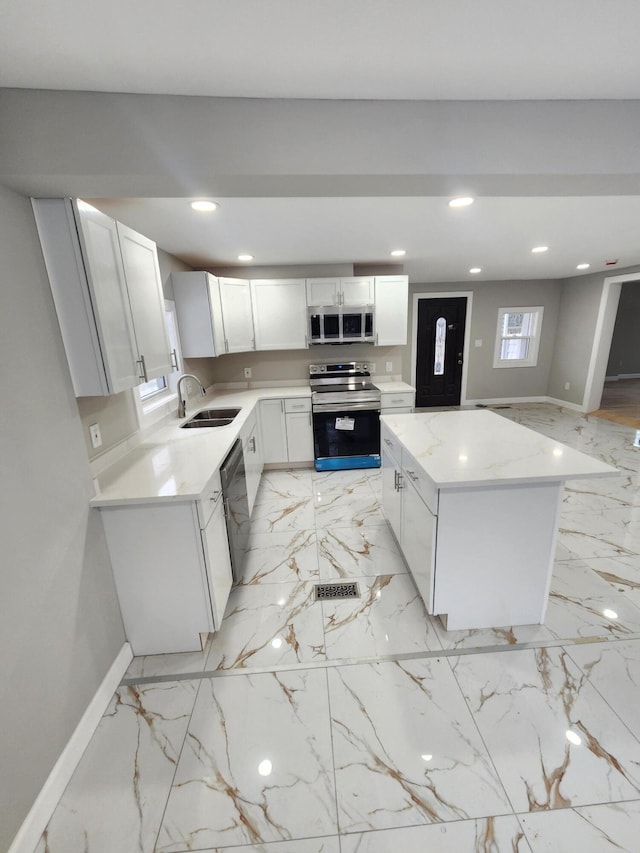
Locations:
{"points": [[345, 406]]}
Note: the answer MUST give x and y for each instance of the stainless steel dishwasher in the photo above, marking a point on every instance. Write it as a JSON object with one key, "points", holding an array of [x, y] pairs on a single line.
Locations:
{"points": [[236, 507]]}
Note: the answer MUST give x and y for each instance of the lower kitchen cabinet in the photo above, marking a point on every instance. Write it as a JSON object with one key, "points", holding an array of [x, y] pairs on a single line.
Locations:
{"points": [[253, 460], [391, 494], [172, 570], [287, 430]]}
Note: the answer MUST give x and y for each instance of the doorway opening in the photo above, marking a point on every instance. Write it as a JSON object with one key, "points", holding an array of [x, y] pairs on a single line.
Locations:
{"points": [[439, 347]]}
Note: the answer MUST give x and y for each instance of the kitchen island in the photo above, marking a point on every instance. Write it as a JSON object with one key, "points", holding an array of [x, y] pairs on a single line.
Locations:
{"points": [[474, 500]]}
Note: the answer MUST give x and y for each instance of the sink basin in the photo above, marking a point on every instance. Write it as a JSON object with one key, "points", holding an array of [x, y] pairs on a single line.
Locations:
{"points": [[215, 414], [211, 418], [206, 422]]}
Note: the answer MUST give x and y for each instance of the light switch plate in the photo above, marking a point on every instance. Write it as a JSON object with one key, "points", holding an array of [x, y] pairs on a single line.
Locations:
{"points": [[389, 367], [247, 373]]}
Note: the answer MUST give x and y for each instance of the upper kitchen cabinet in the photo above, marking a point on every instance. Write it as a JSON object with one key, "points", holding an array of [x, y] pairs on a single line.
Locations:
{"points": [[392, 303], [340, 291], [237, 314], [108, 296], [199, 314], [279, 313]]}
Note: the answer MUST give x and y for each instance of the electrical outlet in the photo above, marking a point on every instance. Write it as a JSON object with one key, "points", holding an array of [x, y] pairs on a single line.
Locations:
{"points": [[247, 373], [389, 367], [96, 438], [372, 367], [567, 385], [478, 342]]}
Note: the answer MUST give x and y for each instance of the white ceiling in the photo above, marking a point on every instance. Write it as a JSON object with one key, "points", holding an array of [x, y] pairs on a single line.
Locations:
{"points": [[396, 49]]}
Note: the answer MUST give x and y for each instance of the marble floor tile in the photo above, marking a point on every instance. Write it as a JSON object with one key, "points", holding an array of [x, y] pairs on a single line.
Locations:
{"points": [[180, 663], [280, 557], [351, 483], [598, 534], [268, 625], [345, 552], [278, 515], [582, 604], [484, 835], [326, 844], [256, 766], [621, 573], [603, 494], [481, 637], [406, 749], [612, 827], [291, 483], [117, 794], [614, 670], [389, 618], [334, 511], [552, 738]]}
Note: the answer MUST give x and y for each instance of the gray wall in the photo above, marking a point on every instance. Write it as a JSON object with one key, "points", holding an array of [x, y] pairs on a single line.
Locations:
{"points": [[60, 626], [624, 357], [485, 382]]}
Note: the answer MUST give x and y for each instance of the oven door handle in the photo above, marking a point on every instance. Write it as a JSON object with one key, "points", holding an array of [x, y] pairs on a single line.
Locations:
{"points": [[327, 408]]}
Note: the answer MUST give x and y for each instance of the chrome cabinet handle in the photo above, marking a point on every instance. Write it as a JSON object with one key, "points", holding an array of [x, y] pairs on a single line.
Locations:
{"points": [[413, 475], [252, 443], [400, 483], [388, 443], [174, 359], [226, 345], [215, 496], [143, 368]]}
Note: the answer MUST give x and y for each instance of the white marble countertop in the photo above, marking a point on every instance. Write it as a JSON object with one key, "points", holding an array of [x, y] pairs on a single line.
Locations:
{"points": [[174, 464], [393, 386], [477, 448]]}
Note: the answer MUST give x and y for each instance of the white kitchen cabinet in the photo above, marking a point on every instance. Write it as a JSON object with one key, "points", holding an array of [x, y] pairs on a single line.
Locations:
{"points": [[279, 313], [286, 430], [237, 314], [391, 493], [396, 402], [392, 305], [107, 291], [418, 535], [350, 292], [199, 314], [253, 459], [172, 570]]}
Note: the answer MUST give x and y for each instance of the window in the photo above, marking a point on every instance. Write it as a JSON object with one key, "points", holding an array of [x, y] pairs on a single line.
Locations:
{"points": [[154, 399], [518, 337]]}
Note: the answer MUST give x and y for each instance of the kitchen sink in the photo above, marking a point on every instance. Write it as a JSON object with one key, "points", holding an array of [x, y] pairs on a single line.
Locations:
{"points": [[208, 418], [215, 414]]}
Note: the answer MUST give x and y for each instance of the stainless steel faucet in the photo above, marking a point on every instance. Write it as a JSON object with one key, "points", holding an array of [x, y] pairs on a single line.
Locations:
{"points": [[182, 404]]}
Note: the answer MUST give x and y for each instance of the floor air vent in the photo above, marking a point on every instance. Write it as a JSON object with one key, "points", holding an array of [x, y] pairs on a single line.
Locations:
{"points": [[329, 591]]}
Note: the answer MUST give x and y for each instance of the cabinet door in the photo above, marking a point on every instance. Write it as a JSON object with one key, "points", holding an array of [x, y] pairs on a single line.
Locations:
{"points": [[279, 313], [197, 298], [252, 450], [417, 540], [237, 316], [110, 300], [391, 497], [299, 437], [142, 274], [218, 563], [357, 291], [273, 431], [323, 291], [392, 302]]}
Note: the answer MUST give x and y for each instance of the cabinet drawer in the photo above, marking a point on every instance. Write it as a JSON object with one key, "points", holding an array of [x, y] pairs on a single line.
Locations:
{"points": [[405, 410], [401, 400], [297, 404], [423, 485], [391, 443], [208, 500]]}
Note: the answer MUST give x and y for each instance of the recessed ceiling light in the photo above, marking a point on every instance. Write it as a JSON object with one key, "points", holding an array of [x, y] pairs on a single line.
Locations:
{"points": [[537, 249], [463, 201], [204, 206], [583, 266], [475, 270], [245, 257], [398, 253]]}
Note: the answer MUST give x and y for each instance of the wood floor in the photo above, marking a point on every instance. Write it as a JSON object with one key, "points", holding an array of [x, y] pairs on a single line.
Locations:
{"points": [[621, 403]]}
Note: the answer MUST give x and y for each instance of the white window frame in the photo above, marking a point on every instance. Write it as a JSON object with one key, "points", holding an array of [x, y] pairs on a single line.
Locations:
{"points": [[534, 339], [164, 402]]}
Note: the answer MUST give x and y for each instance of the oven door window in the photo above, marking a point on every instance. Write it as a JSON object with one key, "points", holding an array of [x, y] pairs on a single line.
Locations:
{"points": [[346, 433]]}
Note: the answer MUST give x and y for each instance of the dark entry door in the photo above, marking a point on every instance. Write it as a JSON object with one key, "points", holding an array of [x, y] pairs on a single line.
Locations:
{"points": [[439, 351]]}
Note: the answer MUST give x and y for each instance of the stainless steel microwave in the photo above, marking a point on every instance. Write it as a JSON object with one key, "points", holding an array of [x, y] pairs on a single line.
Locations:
{"points": [[341, 324]]}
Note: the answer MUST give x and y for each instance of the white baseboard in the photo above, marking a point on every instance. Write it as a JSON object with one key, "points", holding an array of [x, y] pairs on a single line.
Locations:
{"points": [[565, 404], [41, 811], [504, 401]]}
